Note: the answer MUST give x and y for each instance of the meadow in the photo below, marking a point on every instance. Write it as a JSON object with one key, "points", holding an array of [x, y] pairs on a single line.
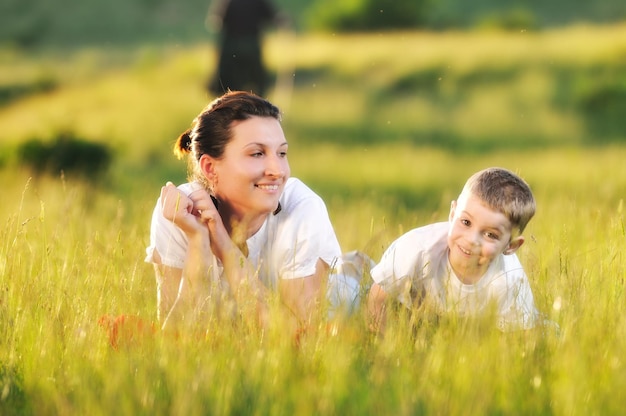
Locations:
{"points": [[386, 128]]}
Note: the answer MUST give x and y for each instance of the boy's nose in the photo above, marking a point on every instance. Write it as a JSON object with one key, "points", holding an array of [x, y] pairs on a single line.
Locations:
{"points": [[475, 238]]}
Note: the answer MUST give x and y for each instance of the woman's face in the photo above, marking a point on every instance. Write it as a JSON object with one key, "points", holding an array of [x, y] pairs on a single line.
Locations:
{"points": [[251, 175]]}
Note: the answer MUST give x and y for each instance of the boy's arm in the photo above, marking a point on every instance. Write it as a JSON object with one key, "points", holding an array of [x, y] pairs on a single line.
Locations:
{"points": [[377, 309]]}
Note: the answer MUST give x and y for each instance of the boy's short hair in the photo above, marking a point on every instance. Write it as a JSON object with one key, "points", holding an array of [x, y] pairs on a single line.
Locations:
{"points": [[505, 192]]}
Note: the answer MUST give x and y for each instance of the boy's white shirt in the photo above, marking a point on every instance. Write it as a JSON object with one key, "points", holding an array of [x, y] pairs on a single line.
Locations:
{"points": [[287, 246], [417, 263]]}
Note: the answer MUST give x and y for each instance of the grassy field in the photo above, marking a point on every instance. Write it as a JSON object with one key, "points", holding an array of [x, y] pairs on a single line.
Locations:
{"points": [[386, 128]]}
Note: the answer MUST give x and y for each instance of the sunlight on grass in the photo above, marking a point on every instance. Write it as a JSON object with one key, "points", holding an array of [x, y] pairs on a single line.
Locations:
{"points": [[72, 254], [326, 105], [407, 50], [100, 110], [99, 99]]}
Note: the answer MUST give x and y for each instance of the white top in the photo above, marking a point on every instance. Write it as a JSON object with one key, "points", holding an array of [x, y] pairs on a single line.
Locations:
{"points": [[287, 246], [415, 268]]}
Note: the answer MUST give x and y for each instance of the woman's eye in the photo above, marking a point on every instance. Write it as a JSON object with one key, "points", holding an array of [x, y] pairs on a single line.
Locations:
{"points": [[257, 154], [465, 222], [282, 154]]}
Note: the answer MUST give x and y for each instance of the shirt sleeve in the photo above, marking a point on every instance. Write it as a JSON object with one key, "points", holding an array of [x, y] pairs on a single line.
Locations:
{"points": [[397, 269], [166, 240], [306, 235]]}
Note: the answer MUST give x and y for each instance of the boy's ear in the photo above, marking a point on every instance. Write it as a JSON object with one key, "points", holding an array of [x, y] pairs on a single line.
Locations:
{"points": [[452, 209], [514, 245]]}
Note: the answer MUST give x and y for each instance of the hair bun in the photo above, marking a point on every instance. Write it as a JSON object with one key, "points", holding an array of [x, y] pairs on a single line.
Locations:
{"points": [[183, 144]]}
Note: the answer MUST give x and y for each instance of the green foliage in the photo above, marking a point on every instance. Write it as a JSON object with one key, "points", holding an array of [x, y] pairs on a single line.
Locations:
{"points": [[366, 15], [597, 93], [75, 23], [13, 398], [10, 93], [513, 19], [517, 14], [67, 154], [23, 23], [604, 108]]}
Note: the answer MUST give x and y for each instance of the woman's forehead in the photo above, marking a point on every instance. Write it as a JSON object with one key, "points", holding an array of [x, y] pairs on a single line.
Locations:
{"points": [[258, 129]]}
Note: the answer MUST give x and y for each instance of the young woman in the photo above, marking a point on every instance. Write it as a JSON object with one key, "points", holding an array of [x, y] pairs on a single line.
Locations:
{"points": [[242, 228]]}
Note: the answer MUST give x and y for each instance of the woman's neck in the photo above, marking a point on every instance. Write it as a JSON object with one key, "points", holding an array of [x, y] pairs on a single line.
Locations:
{"points": [[242, 228]]}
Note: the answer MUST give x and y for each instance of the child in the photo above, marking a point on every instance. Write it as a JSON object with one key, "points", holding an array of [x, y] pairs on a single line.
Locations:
{"points": [[467, 265]]}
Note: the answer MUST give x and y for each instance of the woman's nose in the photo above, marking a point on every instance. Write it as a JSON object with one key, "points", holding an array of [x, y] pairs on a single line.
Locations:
{"points": [[276, 167]]}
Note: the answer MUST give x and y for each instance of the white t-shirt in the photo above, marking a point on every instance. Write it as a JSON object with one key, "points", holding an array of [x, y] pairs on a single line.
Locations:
{"points": [[287, 246], [415, 268]]}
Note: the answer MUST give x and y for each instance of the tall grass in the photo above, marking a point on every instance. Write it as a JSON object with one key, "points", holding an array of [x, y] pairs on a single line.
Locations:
{"points": [[72, 251], [71, 255]]}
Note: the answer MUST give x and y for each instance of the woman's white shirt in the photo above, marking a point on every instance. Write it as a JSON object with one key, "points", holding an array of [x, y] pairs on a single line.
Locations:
{"points": [[287, 246]]}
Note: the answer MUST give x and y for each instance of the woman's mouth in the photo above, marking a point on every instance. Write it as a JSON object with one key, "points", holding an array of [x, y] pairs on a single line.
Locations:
{"points": [[268, 187]]}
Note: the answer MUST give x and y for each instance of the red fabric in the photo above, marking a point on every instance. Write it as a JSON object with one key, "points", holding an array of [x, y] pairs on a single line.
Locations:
{"points": [[126, 330]]}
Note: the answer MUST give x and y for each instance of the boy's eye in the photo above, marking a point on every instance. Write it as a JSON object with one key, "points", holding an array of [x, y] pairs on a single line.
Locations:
{"points": [[492, 236], [465, 222]]}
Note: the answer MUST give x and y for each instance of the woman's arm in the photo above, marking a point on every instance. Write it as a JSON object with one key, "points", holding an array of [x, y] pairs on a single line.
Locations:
{"points": [[250, 294], [376, 308], [304, 296], [168, 282], [183, 292], [197, 216]]}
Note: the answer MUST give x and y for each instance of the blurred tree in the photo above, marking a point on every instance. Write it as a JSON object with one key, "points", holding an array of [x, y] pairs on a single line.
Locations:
{"points": [[241, 24]]}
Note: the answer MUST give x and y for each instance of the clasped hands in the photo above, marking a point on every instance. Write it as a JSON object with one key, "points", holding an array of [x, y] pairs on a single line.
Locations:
{"points": [[191, 213]]}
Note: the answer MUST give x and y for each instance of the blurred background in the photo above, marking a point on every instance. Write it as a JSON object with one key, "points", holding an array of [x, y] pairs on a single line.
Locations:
{"points": [[100, 90], [74, 23]]}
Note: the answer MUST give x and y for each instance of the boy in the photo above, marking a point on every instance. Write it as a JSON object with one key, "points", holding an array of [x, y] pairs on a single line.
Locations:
{"points": [[467, 265]]}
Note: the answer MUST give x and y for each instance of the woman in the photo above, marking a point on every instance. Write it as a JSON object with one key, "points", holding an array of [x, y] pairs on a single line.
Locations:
{"points": [[242, 228]]}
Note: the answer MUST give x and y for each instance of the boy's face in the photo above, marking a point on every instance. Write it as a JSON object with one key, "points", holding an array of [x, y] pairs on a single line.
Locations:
{"points": [[477, 235]]}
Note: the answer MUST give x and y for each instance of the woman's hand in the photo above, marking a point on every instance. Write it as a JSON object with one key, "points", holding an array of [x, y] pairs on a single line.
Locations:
{"points": [[205, 209], [179, 209], [203, 206]]}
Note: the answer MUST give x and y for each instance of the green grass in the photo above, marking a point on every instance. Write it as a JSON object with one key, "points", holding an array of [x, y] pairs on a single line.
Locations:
{"points": [[388, 144]]}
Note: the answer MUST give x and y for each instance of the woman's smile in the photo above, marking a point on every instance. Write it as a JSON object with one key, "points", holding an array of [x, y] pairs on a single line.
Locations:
{"points": [[268, 187]]}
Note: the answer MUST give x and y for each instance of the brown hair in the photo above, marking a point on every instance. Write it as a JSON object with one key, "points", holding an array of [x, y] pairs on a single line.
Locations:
{"points": [[210, 131], [504, 191]]}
